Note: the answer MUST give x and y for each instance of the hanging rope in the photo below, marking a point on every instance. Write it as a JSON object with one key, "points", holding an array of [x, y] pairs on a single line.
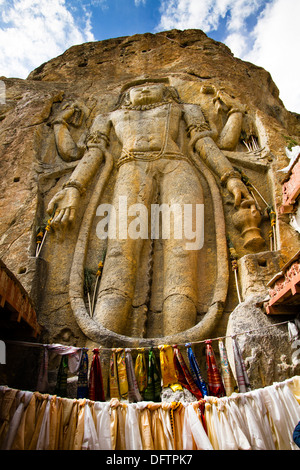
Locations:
{"points": [[234, 265], [246, 332]]}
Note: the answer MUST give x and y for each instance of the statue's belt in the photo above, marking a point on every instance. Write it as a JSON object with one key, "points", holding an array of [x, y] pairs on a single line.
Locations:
{"points": [[128, 156]]}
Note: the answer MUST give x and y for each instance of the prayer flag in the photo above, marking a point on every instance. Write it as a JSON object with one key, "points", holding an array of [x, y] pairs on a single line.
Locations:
{"points": [[96, 391], [228, 378], [113, 376], [240, 369], [122, 373], [133, 390], [82, 384], [184, 376], [168, 372], [215, 384], [61, 381], [140, 370], [152, 392], [195, 370]]}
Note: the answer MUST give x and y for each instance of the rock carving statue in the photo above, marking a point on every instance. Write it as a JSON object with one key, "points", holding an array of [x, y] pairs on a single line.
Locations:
{"points": [[146, 122]]}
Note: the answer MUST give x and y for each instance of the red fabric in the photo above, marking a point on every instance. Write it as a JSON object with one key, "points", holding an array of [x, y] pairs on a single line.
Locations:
{"points": [[201, 405], [96, 391], [215, 383], [184, 376]]}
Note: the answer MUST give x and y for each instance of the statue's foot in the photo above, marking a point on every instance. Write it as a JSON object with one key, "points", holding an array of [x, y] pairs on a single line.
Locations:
{"points": [[112, 312], [179, 314]]}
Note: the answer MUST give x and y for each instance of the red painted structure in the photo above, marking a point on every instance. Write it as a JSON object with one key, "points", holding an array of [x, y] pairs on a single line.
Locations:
{"points": [[16, 308]]}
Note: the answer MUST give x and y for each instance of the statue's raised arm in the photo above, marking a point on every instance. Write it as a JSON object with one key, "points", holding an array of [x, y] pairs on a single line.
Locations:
{"points": [[202, 141], [66, 201]]}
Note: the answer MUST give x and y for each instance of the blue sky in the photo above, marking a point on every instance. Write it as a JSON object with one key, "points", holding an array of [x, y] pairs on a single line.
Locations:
{"points": [[264, 32]]}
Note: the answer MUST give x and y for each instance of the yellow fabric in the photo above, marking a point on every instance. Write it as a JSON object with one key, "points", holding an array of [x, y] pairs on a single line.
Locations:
{"points": [[55, 418], [140, 370], [210, 426], [40, 409], [145, 429], [157, 427], [294, 385], [79, 432], [26, 427], [7, 409], [121, 414], [68, 424], [122, 373], [168, 372], [113, 377], [114, 403]]}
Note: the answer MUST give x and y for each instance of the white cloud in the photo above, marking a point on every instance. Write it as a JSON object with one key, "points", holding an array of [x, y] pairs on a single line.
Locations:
{"points": [[276, 48], [206, 14], [272, 44], [34, 31]]}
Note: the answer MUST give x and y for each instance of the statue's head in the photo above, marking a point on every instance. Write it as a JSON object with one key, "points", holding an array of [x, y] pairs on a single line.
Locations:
{"points": [[147, 92]]}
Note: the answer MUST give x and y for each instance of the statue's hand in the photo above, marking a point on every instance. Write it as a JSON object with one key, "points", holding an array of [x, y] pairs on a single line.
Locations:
{"points": [[66, 203], [240, 193], [229, 102], [71, 113]]}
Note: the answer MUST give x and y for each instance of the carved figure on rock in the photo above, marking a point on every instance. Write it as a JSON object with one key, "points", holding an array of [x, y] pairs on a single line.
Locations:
{"points": [[225, 116], [146, 122], [247, 220], [71, 115]]}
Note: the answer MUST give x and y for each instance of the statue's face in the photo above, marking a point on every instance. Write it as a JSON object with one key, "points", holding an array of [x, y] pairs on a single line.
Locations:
{"points": [[146, 94]]}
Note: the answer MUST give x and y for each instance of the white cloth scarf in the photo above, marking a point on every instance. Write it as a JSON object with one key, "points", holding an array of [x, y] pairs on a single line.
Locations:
{"points": [[133, 439], [73, 362], [193, 431], [24, 398], [103, 425], [90, 437]]}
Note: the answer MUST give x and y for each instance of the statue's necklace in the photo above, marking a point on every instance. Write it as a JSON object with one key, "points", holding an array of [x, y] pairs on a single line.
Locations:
{"points": [[144, 107]]}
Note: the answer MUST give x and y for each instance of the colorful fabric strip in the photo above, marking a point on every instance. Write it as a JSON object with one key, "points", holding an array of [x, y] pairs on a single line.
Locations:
{"points": [[153, 390], [140, 370], [113, 376], [168, 372], [215, 384], [82, 384], [228, 378], [122, 373], [133, 390], [195, 370], [240, 369], [62, 376], [96, 391], [184, 376]]}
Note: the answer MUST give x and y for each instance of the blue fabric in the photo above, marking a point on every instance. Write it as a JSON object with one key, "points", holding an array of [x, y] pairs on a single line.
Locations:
{"points": [[82, 384], [195, 371], [296, 434]]}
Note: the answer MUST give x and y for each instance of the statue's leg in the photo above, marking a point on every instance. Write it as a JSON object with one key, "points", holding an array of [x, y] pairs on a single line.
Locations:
{"points": [[182, 187], [116, 292]]}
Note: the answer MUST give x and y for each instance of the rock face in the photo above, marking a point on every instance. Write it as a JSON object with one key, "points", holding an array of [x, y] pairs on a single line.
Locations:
{"points": [[59, 121]]}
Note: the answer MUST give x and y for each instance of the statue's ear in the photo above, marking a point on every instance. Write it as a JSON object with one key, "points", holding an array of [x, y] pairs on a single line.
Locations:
{"points": [[126, 99], [123, 100], [171, 92]]}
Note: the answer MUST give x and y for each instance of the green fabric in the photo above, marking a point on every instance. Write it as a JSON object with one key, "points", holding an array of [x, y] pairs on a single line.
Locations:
{"points": [[153, 390]]}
